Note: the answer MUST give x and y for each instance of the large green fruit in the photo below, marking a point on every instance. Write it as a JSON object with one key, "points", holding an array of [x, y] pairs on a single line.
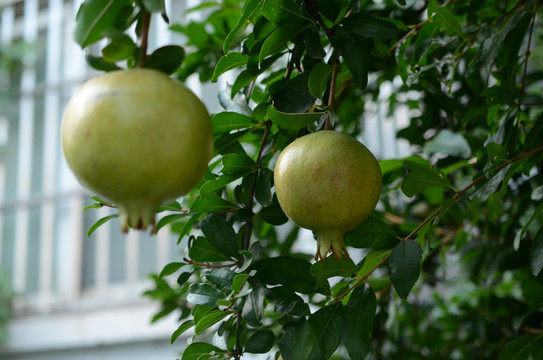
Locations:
{"points": [[330, 183], [138, 138]]}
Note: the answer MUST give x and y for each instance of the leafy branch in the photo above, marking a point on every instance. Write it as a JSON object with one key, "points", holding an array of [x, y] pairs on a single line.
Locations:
{"points": [[433, 215]]}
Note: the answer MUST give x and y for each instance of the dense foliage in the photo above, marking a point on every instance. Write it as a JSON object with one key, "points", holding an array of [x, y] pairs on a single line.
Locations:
{"points": [[450, 260]]}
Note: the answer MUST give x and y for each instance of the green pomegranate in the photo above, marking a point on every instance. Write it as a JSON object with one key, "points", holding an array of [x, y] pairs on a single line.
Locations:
{"points": [[138, 138], [327, 182]]}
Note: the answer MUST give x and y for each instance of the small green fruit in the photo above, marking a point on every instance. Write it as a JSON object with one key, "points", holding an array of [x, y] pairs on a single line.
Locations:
{"points": [[138, 138], [327, 182]]}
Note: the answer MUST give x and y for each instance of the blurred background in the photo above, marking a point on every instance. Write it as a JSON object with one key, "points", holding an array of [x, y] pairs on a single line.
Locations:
{"points": [[64, 295]]}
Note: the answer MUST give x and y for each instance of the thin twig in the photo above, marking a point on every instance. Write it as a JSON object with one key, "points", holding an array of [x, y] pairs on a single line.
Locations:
{"points": [[406, 36], [331, 96], [210, 266], [145, 23]]}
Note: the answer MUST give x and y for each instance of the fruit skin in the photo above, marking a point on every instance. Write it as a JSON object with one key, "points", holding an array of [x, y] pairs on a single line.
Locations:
{"points": [[327, 182], [138, 138]]}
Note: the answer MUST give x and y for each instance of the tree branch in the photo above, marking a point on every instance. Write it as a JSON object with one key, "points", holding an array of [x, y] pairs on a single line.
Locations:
{"points": [[144, 39]]}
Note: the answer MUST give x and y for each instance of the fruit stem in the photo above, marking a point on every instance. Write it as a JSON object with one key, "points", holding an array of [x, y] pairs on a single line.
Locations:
{"points": [[330, 240]]}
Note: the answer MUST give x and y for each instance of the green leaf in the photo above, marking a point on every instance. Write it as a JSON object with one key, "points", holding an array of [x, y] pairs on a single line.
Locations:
{"points": [[94, 17], [220, 234], [211, 203], [318, 80], [220, 182], [239, 281], [373, 233], [291, 121], [260, 342], [165, 220], [250, 9], [321, 336], [404, 264], [204, 294], [291, 272], [226, 121], [358, 317], [201, 250], [279, 38], [331, 267], [446, 20], [170, 269], [422, 176], [263, 192], [282, 12], [209, 320], [100, 222], [449, 143], [201, 351], [222, 278], [237, 163], [536, 252], [253, 308], [100, 64], [228, 62], [121, 47], [166, 59], [520, 348], [292, 96], [180, 330], [356, 53], [369, 26], [287, 342], [372, 260], [154, 5]]}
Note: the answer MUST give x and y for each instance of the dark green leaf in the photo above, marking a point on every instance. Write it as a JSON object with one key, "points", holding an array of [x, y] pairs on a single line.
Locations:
{"points": [[293, 121], [331, 267], [201, 250], [358, 321], [204, 294], [211, 203], [201, 351], [369, 26], [520, 348], [279, 38], [287, 342], [100, 222], [282, 12], [536, 253], [222, 278], [237, 163], [209, 320], [166, 59], [225, 122], [293, 96], [292, 272], [98, 63], [220, 234], [321, 335], [356, 53], [180, 330], [253, 308], [219, 183], [228, 62], [94, 17], [404, 263], [446, 20], [273, 214], [263, 192], [373, 233], [239, 282], [422, 176], [260, 342]]}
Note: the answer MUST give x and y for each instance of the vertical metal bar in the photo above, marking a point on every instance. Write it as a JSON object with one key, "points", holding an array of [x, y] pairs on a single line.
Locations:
{"points": [[24, 171], [7, 17], [50, 141]]}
